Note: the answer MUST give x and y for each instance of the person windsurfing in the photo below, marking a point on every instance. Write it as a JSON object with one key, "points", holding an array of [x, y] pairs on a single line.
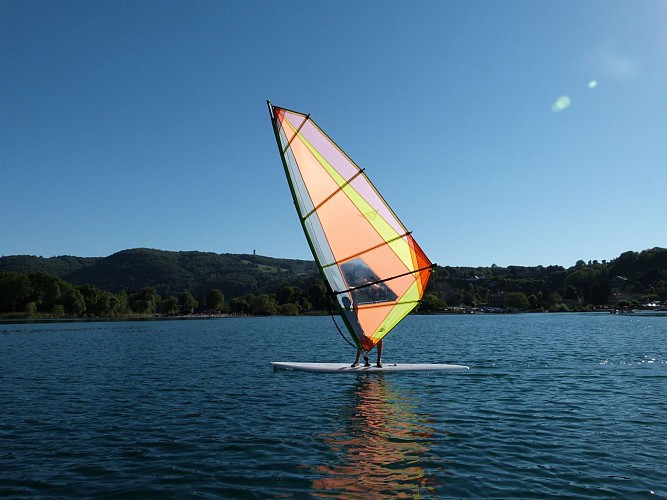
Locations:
{"points": [[367, 363]]}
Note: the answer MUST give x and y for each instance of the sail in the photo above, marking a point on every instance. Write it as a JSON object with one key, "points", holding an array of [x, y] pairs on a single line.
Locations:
{"points": [[372, 264]]}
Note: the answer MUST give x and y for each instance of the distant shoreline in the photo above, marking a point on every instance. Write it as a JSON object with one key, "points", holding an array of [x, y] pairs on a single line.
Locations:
{"points": [[118, 319], [449, 312]]}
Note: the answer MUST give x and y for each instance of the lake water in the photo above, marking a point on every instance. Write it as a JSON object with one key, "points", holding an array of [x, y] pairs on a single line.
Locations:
{"points": [[553, 405]]}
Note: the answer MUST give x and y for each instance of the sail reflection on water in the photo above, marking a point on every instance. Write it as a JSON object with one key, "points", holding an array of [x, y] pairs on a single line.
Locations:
{"points": [[380, 447]]}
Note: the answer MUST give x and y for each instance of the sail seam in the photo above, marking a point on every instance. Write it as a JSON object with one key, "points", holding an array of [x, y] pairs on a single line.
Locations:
{"points": [[366, 285], [371, 305], [340, 188], [379, 245], [296, 133]]}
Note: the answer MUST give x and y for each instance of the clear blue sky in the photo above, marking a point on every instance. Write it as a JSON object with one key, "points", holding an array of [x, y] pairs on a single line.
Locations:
{"points": [[506, 132]]}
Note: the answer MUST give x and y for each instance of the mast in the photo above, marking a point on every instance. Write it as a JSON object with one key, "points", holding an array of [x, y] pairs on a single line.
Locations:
{"points": [[302, 220]]}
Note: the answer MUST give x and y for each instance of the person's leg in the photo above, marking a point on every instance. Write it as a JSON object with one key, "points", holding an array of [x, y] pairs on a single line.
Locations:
{"points": [[356, 360], [379, 348]]}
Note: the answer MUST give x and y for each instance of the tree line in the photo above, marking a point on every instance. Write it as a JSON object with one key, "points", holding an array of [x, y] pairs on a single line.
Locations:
{"points": [[631, 279], [43, 295]]}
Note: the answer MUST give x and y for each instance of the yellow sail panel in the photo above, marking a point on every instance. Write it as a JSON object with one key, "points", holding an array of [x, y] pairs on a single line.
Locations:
{"points": [[372, 264]]}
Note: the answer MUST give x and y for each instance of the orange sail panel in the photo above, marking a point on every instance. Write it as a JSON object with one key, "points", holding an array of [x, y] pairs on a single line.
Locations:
{"points": [[372, 264]]}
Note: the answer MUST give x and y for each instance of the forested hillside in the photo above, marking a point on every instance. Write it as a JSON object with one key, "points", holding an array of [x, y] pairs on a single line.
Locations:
{"points": [[145, 281], [170, 272], [630, 280], [57, 266]]}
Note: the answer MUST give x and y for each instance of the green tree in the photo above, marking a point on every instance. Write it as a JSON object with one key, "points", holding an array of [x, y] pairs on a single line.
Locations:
{"points": [[58, 311], [317, 293], [215, 301], [91, 295], [661, 290], [570, 293], [287, 294], [169, 305], [289, 309], [305, 305], [72, 300], [517, 300], [46, 290], [187, 303], [123, 302], [116, 304], [264, 305], [432, 303], [15, 291], [146, 301], [239, 305], [106, 305]]}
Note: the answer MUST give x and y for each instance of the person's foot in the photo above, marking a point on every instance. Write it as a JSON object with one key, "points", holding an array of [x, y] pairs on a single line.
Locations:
{"points": [[367, 364], [354, 365], [379, 364]]}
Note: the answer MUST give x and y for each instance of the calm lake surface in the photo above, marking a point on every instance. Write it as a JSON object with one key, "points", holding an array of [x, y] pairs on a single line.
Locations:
{"points": [[569, 405]]}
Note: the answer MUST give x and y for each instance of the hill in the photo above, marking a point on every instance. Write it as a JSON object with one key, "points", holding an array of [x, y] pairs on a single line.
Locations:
{"points": [[57, 266], [171, 272]]}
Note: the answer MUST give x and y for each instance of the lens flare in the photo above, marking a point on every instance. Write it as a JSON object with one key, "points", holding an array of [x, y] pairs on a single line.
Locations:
{"points": [[592, 84], [561, 103]]}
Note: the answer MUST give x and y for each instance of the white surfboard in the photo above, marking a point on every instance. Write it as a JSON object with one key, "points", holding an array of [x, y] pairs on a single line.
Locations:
{"points": [[345, 367]]}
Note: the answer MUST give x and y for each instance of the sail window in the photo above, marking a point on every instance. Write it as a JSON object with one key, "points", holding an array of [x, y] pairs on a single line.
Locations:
{"points": [[364, 284]]}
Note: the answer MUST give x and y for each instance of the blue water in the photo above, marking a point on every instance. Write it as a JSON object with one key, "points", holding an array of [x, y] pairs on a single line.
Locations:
{"points": [[553, 405]]}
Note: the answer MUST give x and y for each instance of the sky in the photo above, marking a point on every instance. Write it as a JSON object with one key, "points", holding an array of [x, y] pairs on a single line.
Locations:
{"points": [[509, 133]]}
